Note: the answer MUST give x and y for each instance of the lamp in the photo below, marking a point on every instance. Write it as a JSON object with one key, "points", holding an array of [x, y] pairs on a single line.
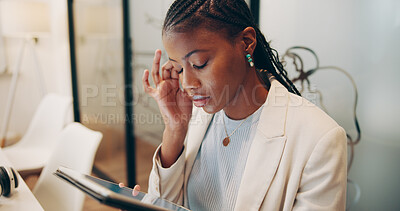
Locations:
{"points": [[28, 21], [101, 19]]}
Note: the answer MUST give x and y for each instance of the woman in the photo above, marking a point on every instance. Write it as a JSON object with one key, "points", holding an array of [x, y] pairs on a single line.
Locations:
{"points": [[250, 142]]}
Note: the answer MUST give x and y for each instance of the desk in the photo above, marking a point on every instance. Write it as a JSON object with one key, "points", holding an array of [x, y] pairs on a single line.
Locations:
{"points": [[22, 199]]}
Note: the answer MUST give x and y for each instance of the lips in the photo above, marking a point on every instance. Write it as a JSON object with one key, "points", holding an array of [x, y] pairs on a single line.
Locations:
{"points": [[198, 97], [199, 100]]}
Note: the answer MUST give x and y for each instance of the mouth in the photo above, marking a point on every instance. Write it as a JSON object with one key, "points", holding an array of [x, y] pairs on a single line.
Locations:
{"points": [[200, 101]]}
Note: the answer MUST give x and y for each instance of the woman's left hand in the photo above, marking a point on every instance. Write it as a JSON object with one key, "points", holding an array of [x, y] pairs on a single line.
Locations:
{"points": [[135, 191]]}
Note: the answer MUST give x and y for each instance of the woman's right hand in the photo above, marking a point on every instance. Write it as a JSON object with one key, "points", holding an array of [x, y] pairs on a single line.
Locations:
{"points": [[175, 106]]}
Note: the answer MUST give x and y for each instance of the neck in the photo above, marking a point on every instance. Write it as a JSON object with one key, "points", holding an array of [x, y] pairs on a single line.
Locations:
{"points": [[250, 96]]}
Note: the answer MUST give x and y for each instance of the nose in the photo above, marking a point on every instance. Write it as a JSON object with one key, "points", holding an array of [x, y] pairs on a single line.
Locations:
{"points": [[190, 82]]}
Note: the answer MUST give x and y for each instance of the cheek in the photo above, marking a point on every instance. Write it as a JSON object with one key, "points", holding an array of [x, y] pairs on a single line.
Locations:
{"points": [[228, 76], [220, 96], [221, 89], [233, 63], [230, 71]]}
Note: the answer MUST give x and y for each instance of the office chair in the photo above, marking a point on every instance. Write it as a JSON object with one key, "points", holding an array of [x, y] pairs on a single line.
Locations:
{"points": [[31, 153], [75, 148]]}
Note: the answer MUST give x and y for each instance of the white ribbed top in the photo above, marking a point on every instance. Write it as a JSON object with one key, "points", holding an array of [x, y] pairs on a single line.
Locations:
{"points": [[217, 171]]}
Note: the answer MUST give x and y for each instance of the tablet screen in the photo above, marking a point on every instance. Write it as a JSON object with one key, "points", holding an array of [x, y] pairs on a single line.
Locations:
{"points": [[115, 188], [105, 188]]}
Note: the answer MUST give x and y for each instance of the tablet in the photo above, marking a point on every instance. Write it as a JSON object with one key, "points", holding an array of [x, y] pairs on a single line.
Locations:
{"points": [[112, 195]]}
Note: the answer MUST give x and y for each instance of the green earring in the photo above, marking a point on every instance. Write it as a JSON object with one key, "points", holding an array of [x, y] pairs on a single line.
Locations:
{"points": [[250, 60]]}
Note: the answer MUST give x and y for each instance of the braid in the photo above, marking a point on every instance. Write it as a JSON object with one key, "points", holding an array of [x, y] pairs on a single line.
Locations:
{"points": [[240, 11], [195, 6], [175, 10], [234, 16], [272, 54]]}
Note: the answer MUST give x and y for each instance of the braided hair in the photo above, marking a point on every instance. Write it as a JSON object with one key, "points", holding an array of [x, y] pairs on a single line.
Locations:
{"points": [[231, 17]]}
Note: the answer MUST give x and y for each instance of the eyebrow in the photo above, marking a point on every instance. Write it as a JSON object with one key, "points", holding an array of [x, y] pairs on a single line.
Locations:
{"points": [[189, 54]]}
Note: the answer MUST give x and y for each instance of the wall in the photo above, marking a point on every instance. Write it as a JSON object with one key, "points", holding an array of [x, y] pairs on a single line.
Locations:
{"points": [[361, 36], [53, 55]]}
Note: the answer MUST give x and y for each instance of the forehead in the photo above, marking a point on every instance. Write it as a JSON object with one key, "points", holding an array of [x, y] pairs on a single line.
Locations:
{"points": [[177, 43]]}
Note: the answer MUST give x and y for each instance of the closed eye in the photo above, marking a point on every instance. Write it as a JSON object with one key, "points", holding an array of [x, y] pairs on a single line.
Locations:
{"points": [[196, 67], [200, 67]]}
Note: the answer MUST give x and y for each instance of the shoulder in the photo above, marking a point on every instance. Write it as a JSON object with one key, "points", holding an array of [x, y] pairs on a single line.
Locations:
{"points": [[307, 117], [308, 126]]}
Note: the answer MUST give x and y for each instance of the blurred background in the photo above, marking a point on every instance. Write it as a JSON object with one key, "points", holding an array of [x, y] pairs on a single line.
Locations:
{"points": [[361, 37]]}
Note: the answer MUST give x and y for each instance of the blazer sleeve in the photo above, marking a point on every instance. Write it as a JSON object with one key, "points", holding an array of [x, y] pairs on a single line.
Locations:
{"points": [[324, 179], [167, 183]]}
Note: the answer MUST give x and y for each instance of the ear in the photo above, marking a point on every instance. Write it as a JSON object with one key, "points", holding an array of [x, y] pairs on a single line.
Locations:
{"points": [[248, 36]]}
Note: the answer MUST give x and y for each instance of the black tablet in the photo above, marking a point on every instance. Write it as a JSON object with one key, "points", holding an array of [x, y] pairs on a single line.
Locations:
{"points": [[111, 194]]}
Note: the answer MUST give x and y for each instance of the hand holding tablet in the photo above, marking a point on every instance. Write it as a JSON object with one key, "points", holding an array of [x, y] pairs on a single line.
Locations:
{"points": [[135, 190]]}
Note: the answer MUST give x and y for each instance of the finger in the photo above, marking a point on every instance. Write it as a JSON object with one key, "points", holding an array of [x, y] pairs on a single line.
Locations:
{"points": [[136, 190], [174, 73], [166, 70], [121, 185], [155, 70], [146, 85]]}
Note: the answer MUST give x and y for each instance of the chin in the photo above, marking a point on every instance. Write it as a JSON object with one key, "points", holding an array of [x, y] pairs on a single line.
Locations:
{"points": [[210, 109]]}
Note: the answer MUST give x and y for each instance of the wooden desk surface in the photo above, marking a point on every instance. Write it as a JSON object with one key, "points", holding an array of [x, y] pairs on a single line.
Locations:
{"points": [[22, 199]]}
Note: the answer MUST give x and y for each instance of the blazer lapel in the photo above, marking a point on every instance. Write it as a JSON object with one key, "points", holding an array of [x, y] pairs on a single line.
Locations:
{"points": [[266, 150]]}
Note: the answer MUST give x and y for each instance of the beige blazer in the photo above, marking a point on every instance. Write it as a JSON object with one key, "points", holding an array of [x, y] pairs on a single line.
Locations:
{"points": [[297, 160]]}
